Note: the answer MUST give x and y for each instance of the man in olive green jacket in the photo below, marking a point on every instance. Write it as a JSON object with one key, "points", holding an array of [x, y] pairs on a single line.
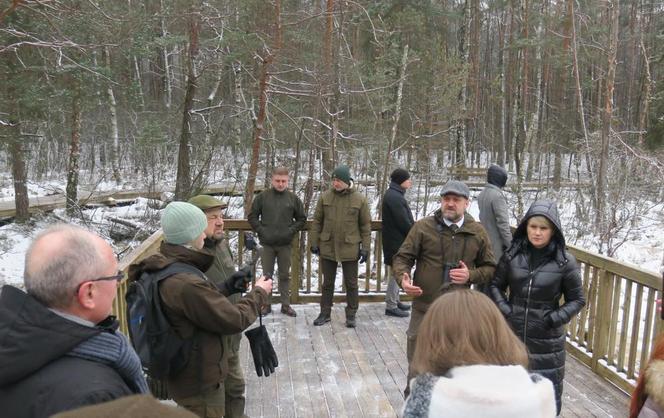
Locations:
{"points": [[450, 238], [199, 310], [340, 233], [222, 268], [277, 214]]}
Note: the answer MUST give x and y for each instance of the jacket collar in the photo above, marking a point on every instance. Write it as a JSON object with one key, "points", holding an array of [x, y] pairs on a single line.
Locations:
{"points": [[397, 187], [200, 260]]}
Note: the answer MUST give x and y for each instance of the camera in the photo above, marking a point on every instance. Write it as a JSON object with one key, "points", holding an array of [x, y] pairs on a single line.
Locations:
{"points": [[446, 270]]}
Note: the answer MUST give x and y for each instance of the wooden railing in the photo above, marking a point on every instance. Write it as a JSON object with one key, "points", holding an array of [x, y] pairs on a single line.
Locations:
{"points": [[613, 334]]}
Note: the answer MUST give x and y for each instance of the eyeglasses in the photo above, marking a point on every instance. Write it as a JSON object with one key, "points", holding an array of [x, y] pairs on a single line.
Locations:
{"points": [[118, 277]]}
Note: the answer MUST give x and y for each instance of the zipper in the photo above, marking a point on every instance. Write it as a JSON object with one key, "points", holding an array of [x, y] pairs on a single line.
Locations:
{"points": [[531, 274]]}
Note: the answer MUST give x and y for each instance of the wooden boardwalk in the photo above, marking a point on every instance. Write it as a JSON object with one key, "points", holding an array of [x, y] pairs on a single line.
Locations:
{"points": [[333, 371]]}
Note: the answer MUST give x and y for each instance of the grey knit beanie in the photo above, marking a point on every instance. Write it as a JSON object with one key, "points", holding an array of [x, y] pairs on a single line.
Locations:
{"points": [[182, 222]]}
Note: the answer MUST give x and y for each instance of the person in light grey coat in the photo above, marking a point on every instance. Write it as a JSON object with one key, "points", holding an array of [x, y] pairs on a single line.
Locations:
{"points": [[494, 215]]}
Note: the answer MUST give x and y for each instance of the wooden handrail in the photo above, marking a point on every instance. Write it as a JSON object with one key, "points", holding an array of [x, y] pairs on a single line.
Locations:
{"points": [[613, 335]]}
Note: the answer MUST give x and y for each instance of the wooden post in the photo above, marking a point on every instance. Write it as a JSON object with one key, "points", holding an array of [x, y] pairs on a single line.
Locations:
{"points": [[603, 322]]}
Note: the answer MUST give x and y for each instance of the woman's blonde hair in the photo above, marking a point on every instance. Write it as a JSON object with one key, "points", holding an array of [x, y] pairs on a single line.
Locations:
{"points": [[464, 327], [540, 220]]}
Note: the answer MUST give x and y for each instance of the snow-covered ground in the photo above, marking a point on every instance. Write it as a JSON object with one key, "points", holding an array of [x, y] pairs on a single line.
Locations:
{"points": [[643, 246]]}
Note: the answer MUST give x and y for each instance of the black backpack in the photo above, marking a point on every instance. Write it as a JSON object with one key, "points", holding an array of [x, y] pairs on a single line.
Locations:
{"points": [[162, 352]]}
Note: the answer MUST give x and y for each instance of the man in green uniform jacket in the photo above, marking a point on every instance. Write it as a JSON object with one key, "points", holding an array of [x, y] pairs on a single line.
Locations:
{"points": [[450, 237], [277, 214], [222, 268], [341, 233]]}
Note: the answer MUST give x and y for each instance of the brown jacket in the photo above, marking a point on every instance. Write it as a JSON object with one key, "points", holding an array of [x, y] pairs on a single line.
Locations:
{"points": [[431, 243], [341, 222], [196, 308]]}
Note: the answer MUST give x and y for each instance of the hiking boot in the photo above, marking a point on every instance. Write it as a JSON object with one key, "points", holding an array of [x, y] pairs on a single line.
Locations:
{"points": [[403, 306], [287, 310], [396, 312], [322, 319], [350, 322], [267, 309]]}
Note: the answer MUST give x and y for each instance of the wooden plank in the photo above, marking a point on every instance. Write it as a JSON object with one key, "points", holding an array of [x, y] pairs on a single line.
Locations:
{"points": [[613, 332], [623, 269], [626, 309], [330, 368], [634, 335], [387, 358]]}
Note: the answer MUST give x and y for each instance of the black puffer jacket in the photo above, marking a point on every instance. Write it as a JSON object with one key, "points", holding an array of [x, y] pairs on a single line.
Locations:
{"points": [[397, 221], [37, 378], [533, 308]]}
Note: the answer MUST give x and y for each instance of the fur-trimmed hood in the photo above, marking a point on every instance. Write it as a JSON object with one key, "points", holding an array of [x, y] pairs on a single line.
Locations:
{"points": [[655, 382]]}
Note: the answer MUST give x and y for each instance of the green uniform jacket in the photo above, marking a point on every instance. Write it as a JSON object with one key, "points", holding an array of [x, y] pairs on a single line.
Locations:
{"points": [[222, 268], [276, 216], [195, 306], [431, 243], [341, 222]]}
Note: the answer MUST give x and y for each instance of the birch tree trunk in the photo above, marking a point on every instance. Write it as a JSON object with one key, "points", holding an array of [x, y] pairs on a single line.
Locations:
{"points": [[395, 125], [113, 114], [164, 53], [19, 175]]}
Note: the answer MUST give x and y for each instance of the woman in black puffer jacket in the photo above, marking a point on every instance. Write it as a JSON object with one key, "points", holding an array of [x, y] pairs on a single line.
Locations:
{"points": [[538, 270]]}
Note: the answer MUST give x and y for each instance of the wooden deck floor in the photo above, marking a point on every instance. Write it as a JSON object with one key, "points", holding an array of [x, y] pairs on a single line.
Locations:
{"points": [[333, 371]]}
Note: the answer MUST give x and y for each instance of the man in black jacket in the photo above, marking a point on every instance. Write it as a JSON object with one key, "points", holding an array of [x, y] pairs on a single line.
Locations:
{"points": [[397, 221], [59, 348], [277, 214]]}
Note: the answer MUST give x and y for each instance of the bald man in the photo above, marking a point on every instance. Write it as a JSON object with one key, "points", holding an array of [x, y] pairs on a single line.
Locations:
{"points": [[59, 348]]}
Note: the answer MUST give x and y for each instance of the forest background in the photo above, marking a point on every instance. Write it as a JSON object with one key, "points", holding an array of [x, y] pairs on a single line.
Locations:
{"points": [[160, 94]]}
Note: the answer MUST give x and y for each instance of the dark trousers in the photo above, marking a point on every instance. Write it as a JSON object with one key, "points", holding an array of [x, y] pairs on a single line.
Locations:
{"points": [[282, 255], [349, 268], [416, 318]]}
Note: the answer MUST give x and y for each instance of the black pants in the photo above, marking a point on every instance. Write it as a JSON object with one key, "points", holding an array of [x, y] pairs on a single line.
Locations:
{"points": [[349, 268]]}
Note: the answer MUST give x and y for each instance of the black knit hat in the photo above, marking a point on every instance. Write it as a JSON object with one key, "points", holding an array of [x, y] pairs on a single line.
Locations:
{"points": [[399, 175]]}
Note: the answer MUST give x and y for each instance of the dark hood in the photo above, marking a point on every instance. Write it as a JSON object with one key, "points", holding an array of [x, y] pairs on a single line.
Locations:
{"points": [[548, 209], [497, 176], [169, 254], [32, 336]]}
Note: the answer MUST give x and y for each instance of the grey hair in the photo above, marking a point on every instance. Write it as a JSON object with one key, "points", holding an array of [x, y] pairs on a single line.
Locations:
{"points": [[53, 282]]}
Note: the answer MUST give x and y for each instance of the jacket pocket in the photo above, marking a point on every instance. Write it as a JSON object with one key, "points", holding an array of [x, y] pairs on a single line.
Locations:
{"points": [[325, 236]]}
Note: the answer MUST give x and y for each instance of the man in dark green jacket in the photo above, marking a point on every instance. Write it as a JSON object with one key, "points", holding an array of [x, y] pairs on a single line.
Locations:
{"points": [[340, 233], [222, 268], [452, 238], [277, 214]]}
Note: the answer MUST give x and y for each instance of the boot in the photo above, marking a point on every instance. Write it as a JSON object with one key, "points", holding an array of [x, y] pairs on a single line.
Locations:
{"points": [[403, 306], [323, 318], [350, 322], [396, 312]]}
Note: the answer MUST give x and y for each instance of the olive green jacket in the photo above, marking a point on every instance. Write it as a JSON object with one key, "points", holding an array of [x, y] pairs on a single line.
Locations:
{"points": [[276, 216], [430, 243], [222, 268], [341, 223]]}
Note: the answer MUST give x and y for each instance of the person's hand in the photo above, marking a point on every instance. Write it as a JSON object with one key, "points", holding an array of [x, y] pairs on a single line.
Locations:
{"points": [[460, 275], [249, 241], [363, 255], [315, 250], [238, 281], [264, 283], [408, 287]]}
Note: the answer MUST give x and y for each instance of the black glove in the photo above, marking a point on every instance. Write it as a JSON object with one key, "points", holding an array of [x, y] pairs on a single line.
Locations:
{"points": [[265, 359], [363, 256], [315, 250], [238, 281], [250, 242]]}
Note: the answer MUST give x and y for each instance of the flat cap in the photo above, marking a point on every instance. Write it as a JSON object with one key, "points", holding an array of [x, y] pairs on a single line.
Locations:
{"points": [[205, 202], [456, 187]]}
